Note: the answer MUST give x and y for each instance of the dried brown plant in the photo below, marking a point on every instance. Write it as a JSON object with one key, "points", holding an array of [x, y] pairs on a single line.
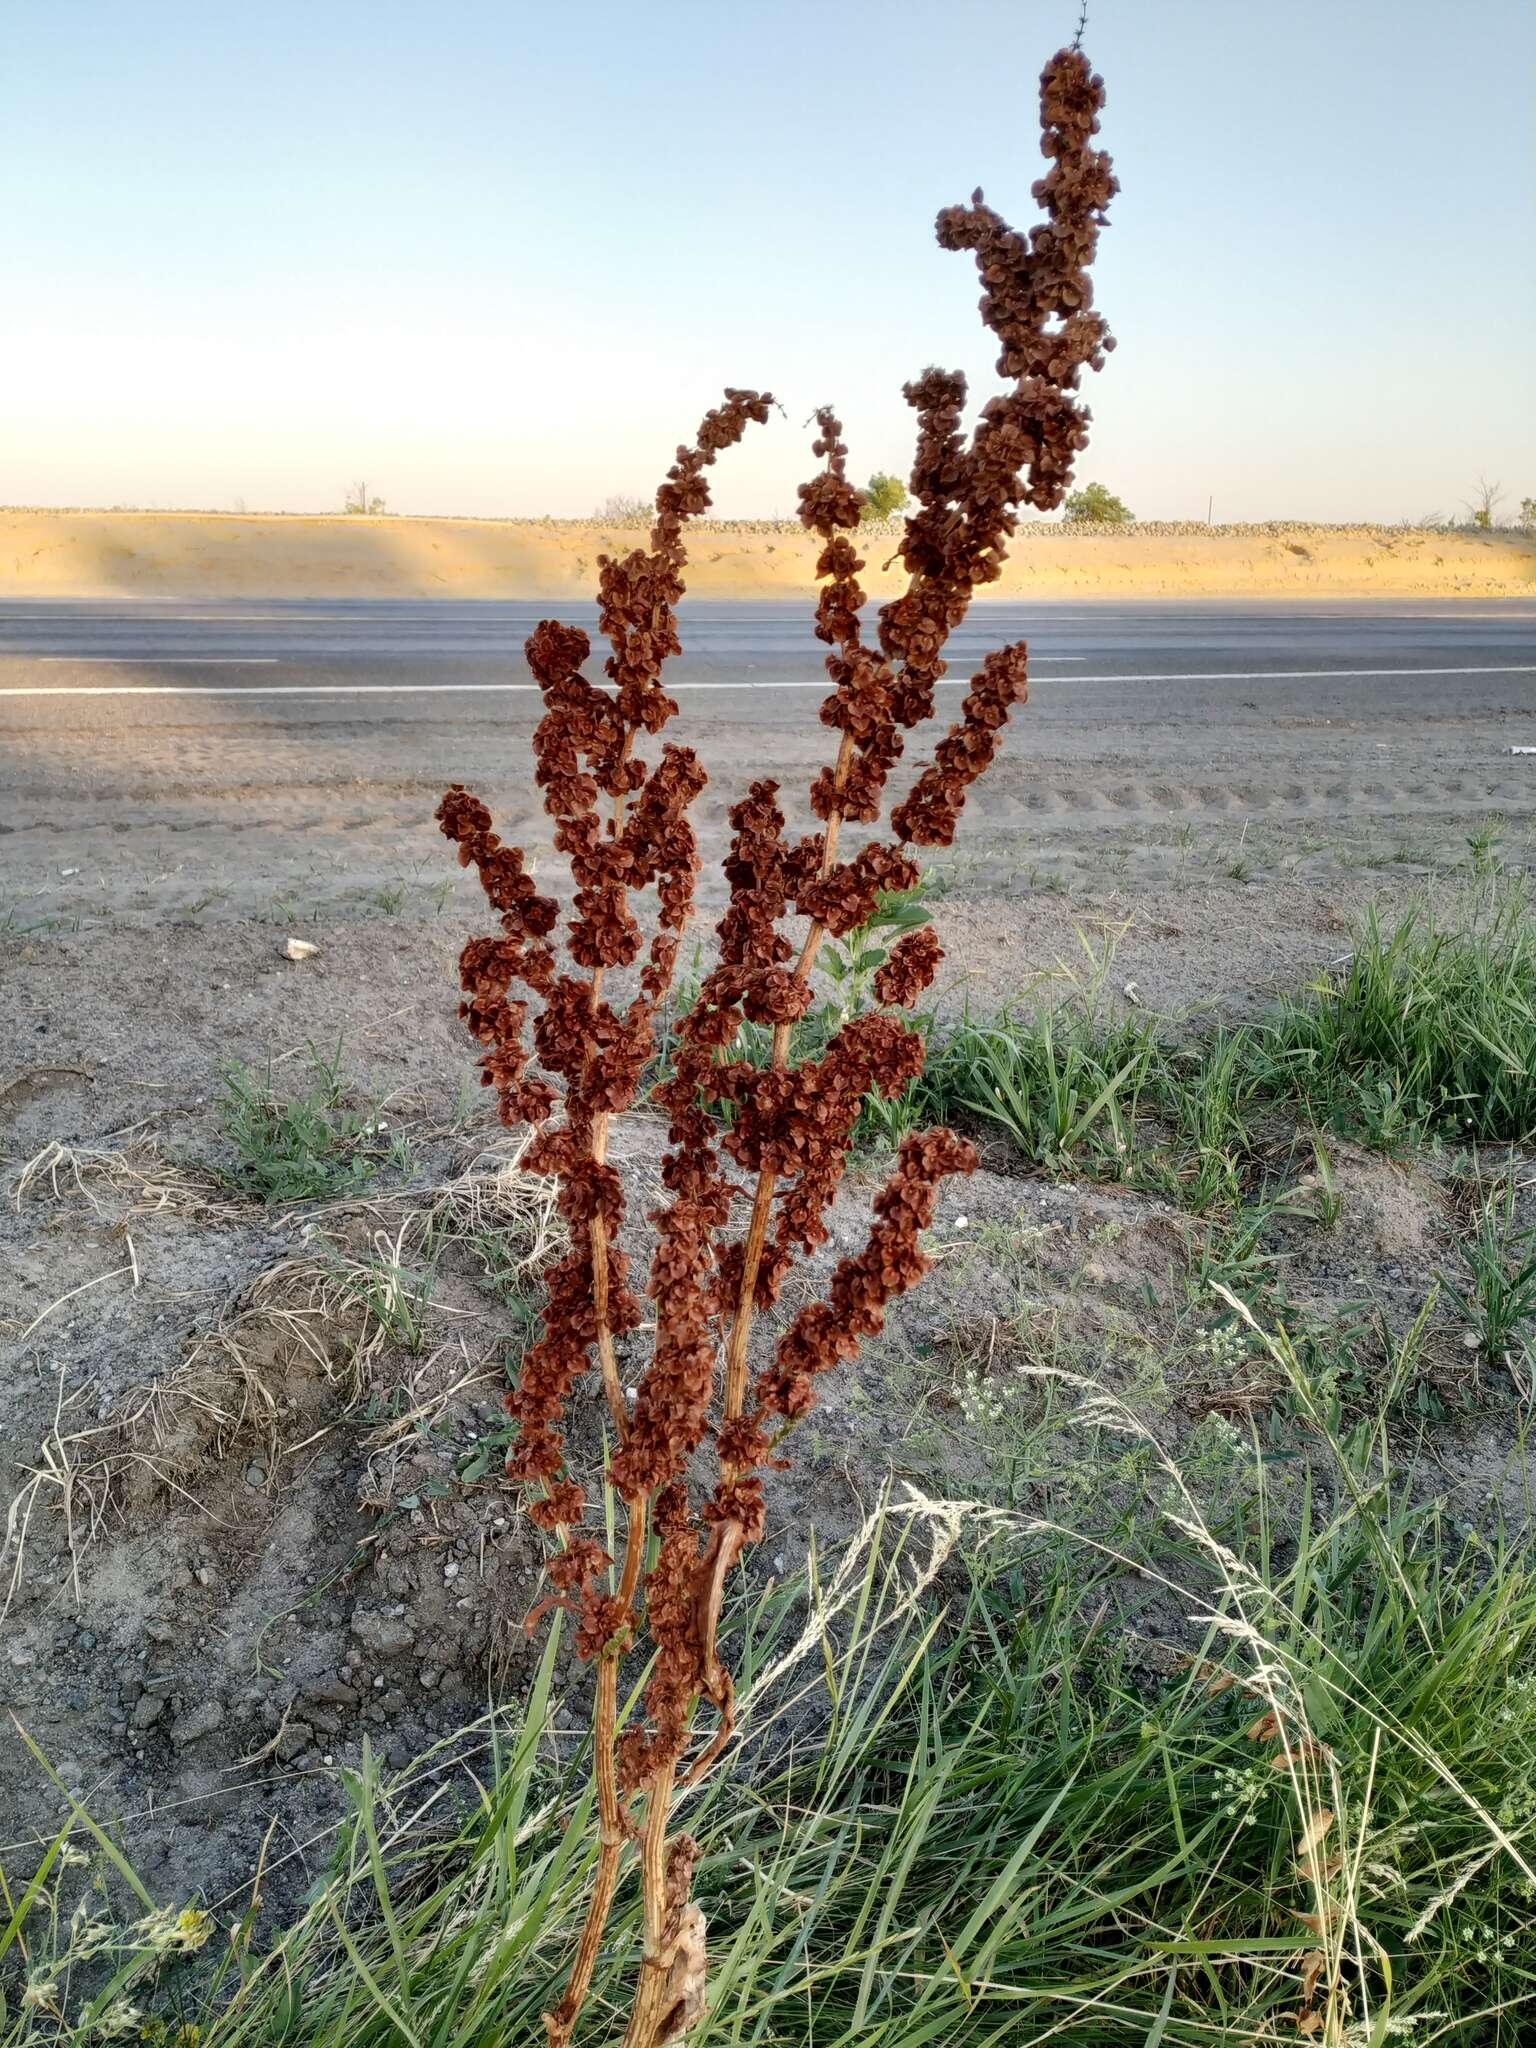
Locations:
{"points": [[623, 826]]}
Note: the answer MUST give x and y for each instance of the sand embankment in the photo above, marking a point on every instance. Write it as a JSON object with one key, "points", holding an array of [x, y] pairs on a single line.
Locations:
{"points": [[196, 554]]}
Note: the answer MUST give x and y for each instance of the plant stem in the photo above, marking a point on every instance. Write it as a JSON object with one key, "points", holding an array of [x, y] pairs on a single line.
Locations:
{"points": [[648, 2011], [613, 1828], [607, 1358], [562, 2020]]}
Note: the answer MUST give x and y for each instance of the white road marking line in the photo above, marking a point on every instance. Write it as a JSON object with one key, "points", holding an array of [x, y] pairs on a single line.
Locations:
{"points": [[262, 619], [287, 660], [159, 660], [387, 654], [1242, 675]]}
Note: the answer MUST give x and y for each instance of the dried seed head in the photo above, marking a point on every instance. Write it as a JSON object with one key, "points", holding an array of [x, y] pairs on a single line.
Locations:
{"points": [[623, 827]]}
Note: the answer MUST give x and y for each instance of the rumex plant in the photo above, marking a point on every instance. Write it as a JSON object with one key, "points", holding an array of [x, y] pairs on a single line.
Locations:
{"points": [[746, 1193]]}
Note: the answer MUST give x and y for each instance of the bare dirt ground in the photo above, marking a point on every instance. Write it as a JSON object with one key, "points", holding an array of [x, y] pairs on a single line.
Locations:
{"points": [[254, 1518]]}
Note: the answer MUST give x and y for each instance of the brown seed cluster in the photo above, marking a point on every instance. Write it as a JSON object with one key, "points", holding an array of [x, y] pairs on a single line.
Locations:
{"points": [[755, 1154], [583, 753]]}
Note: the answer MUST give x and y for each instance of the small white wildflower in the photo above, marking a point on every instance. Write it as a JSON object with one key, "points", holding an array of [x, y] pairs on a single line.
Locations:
{"points": [[1240, 1793], [981, 1402], [1225, 1345], [39, 1992]]}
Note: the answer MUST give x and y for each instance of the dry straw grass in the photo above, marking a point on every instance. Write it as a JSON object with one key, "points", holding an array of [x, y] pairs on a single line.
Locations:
{"points": [[290, 1354]]}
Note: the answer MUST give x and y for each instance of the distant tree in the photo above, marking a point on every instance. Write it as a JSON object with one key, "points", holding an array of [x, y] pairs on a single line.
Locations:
{"points": [[1095, 505], [1528, 511], [884, 496], [1485, 504], [359, 501], [622, 510]]}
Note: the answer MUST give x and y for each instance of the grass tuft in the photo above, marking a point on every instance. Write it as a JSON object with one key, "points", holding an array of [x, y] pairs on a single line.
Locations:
{"points": [[1425, 1030], [307, 1147]]}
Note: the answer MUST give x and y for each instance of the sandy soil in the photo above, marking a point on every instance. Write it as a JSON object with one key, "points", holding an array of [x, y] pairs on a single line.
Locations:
{"points": [[104, 554]]}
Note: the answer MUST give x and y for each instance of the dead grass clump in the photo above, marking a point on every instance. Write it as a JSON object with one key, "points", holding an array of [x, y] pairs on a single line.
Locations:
{"points": [[71, 1475], [292, 1355], [150, 1184]]}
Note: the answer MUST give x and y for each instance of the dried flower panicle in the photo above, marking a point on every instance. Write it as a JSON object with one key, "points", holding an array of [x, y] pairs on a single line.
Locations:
{"points": [[583, 753], [746, 1193], [831, 1331]]}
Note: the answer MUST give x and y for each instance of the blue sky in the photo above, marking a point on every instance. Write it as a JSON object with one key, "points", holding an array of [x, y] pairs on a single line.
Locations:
{"points": [[499, 257]]}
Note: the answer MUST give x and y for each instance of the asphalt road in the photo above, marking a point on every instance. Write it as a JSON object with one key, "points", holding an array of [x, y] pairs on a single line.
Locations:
{"points": [[126, 649], [158, 756]]}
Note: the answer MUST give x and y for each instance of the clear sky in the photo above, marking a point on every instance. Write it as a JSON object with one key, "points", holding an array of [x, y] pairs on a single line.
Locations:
{"points": [[497, 257]]}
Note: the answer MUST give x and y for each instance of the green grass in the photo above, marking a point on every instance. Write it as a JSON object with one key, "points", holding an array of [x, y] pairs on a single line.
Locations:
{"points": [[1425, 1030], [1066, 1088], [305, 1147], [1424, 1034], [1496, 1286], [394, 1297], [990, 1817]]}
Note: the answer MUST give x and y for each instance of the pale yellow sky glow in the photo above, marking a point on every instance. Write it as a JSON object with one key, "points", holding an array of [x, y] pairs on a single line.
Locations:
{"points": [[496, 270]]}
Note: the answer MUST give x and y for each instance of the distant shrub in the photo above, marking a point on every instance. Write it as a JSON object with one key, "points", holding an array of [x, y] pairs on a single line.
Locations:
{"points": [[883, 497], [1483, 509], [622, 510], [1094, 505]]}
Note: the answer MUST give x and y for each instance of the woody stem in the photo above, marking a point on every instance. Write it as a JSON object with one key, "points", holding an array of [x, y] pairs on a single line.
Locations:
{"points": [[651, 1989], [610, 1846], [610, 1809]]}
